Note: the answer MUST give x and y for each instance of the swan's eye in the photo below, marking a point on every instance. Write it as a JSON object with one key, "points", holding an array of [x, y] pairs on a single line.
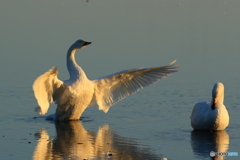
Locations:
{"points": [[83, 42]]}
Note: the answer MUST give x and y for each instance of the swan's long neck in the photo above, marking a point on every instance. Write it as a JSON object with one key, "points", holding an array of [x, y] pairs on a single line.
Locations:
{"points": [[221, 99], [218, 92], [218, 98], [75, 71]]}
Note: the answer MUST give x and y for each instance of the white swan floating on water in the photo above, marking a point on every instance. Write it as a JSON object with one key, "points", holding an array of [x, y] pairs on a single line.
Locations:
{"points": [[73, 96], [211, 115]]}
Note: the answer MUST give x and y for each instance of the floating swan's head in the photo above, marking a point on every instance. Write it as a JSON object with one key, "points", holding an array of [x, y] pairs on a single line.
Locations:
{"points": [[79, 44]]}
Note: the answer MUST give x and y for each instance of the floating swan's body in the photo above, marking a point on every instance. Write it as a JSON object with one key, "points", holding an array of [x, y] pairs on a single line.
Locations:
{"points": [[211, 115], [73, 96]]}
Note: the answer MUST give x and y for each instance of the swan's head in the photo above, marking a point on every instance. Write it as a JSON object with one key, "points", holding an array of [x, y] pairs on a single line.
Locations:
{"points": [[217, 94], [79, 44]]}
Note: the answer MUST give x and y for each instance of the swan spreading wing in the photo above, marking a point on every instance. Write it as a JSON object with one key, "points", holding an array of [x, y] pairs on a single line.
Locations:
{"points": [[115, 87], [76, 94], [46, 88], [108, 90]]}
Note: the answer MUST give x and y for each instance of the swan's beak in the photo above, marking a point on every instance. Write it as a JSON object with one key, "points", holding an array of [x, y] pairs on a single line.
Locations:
{"points": [[86, 43], [213, 104]]}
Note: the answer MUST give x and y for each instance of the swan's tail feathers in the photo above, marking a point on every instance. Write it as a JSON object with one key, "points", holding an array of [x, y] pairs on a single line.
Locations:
{"points": [[115, 87]]}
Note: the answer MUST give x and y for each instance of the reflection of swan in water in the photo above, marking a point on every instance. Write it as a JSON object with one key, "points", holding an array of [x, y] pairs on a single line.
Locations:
{"points": [[74, 142], [203, 142], [73, 96]]}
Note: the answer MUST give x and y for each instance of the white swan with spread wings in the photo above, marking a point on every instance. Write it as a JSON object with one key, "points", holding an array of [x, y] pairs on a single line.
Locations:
{"points": [[73, 96]]}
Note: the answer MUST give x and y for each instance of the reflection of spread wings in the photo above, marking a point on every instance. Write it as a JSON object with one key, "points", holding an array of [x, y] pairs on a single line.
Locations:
{"points": [[72, 141], [42, 149], [115, 87]]}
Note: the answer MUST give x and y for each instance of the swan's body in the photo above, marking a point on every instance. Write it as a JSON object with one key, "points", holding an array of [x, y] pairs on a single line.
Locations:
{"points": [[73, 96], [211, 115]]}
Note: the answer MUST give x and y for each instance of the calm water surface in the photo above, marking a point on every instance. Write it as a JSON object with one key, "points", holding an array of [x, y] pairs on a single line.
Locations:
{"points": [[154, 123]]}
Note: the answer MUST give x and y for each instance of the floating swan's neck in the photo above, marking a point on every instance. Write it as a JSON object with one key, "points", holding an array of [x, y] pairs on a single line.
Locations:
{"points": [[221, 98], [217, 96], [75, 71]]}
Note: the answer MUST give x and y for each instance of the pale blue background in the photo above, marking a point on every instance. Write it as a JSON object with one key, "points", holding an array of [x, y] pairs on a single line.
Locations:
{"points": [[203, 36]]}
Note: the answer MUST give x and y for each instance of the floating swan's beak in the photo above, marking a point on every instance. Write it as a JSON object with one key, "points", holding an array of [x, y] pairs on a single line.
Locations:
{"points": [[213, 104]]}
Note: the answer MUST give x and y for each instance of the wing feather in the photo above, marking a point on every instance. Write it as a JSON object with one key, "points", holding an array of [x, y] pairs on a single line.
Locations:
{"points": [[46, 89], [115, 87]]}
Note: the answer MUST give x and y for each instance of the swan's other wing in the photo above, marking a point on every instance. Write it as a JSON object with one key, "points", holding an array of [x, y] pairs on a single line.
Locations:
{"points": [[113, 88], [46, 89]]}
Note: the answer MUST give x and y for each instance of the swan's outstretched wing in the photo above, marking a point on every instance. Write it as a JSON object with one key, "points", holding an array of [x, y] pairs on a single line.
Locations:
{"points": [[113, 88], [46, 89]]}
